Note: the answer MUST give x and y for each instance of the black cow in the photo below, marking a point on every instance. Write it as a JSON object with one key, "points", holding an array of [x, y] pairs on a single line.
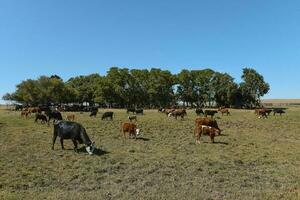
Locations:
{"points": [[279, 111], [19, 107], [107, 115], [55, 115], [132, 110], [139, 111], [40, 116], [210, 112], [73, 131], [199, 111], [94, 113]]}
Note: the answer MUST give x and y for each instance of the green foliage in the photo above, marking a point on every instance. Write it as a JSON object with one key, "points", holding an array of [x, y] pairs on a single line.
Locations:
{"points": [[122, 87]]}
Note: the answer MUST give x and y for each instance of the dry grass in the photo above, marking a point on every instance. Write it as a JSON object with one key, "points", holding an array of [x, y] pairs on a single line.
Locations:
{"points": [[254, 159]]}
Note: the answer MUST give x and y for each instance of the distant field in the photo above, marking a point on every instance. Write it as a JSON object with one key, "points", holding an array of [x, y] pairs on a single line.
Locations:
{"points": [[254, 159], [281, 101]]}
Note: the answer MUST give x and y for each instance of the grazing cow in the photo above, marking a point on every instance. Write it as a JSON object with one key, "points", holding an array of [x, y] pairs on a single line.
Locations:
{"points": [[139, 111], [107, 115], [94, 113], [199, 111], [210, 112], [224, 111], [133, 117], [24, 113], [132, 110], [161, 110], [71, 117], [18, 107], [42, 117], [73, 131], [202, 126], [178, 112], [55, 115], [261, 113], [268, 111], [168, 111], [131, 129], [34, 110], [278, 111]]}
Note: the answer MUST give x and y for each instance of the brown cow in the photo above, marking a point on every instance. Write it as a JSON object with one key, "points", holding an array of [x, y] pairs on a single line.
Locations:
{"points": [[178, 112], [224, 111], [262, 113], [131, 129], [34, 110], [168, 111], [201, 126], [24, 113], [71, 117]]}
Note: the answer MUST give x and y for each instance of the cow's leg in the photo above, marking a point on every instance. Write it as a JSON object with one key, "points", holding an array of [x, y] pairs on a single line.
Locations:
{"points": [[75, 145], [212, 137], [62, 143], [53, 141]]}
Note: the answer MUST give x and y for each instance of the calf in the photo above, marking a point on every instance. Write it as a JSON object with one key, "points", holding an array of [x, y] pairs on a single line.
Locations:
{"points": [[132, 110], [94, 113], [107, 115], [199, 111], [139, 111], [131, 129], [210, 112], [24, 113], [73, 131], [40, 116], [224, 111], [179, 112], [261, 113], [208, 130], [55, 115], [133, 117], [70, 117], [200, 124]]}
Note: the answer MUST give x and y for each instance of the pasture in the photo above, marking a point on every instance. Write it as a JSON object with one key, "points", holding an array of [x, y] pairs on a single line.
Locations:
{"points": [[253, 159]]}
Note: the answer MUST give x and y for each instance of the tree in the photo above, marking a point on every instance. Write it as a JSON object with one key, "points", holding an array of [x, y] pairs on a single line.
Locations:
{"points": [[253, 87]]}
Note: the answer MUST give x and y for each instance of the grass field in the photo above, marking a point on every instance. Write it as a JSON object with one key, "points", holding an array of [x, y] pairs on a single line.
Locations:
{"points": [[254, 159]]}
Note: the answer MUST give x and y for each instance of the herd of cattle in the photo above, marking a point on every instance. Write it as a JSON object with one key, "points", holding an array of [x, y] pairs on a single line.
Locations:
{"points": [[69, 129]]}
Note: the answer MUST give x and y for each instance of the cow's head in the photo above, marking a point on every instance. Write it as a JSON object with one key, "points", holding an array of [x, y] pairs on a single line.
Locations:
{"points": [[90, 148]]}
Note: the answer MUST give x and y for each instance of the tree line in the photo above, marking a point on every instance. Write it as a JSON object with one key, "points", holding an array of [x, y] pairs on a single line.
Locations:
{"points": [[122, 87]]}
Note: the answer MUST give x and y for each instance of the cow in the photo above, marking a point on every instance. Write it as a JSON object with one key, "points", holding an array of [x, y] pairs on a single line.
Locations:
{"points": [[278, 111], [74, 131], [55, 115], [34, 110], [107, 115], [132, 110], [268, 111], [139, 111], [224, 111], [261, 113], [211, 113], [94, 113], [133, 117], [70, 117], [199, 111], [178, 112], [131, 129], [42, 117], [208, 130], [202, 126], [161, 110], [24, 113], [18, 107], [168, 111]]}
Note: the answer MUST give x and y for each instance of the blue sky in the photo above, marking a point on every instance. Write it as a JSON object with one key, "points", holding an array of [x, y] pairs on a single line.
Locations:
{"points": [[72, 37]]}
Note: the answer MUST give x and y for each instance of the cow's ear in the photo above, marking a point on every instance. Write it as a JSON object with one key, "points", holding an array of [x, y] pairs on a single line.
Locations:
{"points": [[93, 143]]}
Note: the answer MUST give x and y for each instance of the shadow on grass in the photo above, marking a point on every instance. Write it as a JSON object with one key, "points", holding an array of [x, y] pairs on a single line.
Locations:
{"points": [[224, 143], [142, 138]]}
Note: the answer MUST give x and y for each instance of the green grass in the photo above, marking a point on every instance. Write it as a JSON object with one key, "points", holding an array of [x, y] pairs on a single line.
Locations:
{"points": [[254, 159]]}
